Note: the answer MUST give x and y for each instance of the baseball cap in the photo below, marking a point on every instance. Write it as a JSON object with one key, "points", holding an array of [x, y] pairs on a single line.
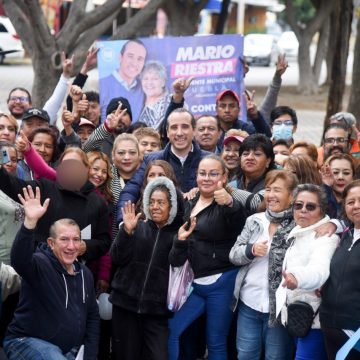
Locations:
{"points": [[230, 138], [347, 117], [114, 103], [40, 113], [230, 92], [84, 121]]}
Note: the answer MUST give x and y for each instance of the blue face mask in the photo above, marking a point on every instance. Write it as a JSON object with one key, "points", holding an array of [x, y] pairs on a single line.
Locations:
{"points": [[282, 132]]}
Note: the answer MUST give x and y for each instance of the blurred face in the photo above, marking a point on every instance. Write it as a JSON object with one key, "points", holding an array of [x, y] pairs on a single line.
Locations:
{"points": [[307, 209], [126, 158], [7, 130], [32, 123], [154, 172], [180, 132], [343, 175], [18, 102], [148, 144], [72, 173], [98, 172], [301, 150], [152, 84], [84, 132], [207, 133], [11, 166], [43, 144], [277, 196], [335, 142], [210, 173], [254, 163], [159, 208], [93, 113], [227, 109], [281, 150], [132, 61], [230, 155], [66, 245], [352, 206]]}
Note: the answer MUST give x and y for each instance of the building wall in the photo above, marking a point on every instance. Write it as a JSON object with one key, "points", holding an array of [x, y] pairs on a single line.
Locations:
{"points": [[254, 19]]}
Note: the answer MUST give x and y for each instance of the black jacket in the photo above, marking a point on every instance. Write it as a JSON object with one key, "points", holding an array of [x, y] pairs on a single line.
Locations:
{"points": [[141, 280], [54, 306], [86, 207], [209, 245], [340, 305]]}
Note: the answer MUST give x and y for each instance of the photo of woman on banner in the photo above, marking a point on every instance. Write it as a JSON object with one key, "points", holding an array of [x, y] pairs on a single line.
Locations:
{"points": [[157, 98], [124, 80]]}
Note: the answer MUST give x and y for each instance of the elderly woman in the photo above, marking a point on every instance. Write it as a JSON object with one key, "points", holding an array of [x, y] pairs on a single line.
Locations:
{"points": [[215, 220], [153, 81], [307, 264], [140, 254], [260, 250], [339, 310]]}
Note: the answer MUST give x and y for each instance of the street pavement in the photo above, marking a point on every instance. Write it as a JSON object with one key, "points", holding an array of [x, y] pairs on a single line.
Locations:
{"points": [[310, 124]]}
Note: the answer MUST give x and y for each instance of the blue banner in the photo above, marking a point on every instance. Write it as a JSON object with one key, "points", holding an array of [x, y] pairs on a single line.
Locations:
{"points": [[143, 71]]}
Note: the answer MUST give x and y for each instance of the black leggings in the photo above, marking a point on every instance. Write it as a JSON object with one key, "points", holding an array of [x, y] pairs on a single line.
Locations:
{"points": [[138, 336], [334, 340]]}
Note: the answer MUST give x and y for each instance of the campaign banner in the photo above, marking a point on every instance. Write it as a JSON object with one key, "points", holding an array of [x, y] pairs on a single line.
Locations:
{"points": [[143, 70]]}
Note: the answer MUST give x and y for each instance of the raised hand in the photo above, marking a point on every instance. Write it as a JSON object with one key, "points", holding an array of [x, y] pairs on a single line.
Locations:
{"points": [[129, 218], [22, 142], [180, 86], [32, 206], [281, 65], [327, 176], [112, 120], [67, 119], [260, 248], [67, 64], [183, 234], [90, 61], [221, 196], [75, 93], [251, 107], [83, 105], [290, 281]]}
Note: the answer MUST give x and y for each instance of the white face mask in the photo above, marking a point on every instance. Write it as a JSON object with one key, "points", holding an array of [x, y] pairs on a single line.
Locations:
{"points": [[283, 132]]}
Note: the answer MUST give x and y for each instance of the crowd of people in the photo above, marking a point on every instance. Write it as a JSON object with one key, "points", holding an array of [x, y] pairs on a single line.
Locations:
{"points": [[88, 208]]}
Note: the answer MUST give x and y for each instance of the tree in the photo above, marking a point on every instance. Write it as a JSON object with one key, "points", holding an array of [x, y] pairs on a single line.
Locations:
{"points": [[341, 37], [81, 29], [305, 32], [355, 87]]}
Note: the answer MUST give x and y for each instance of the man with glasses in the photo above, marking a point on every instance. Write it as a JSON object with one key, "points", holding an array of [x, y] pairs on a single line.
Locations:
{"points": [[283, 123], [57, 311], [336, 140], [19, 100]]}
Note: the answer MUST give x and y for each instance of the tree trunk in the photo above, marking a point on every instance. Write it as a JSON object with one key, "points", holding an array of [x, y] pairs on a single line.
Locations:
{"points": [[341, 44], [183, 16], [307, 84], [321, 50], [354, 107], [331, 49], [223, 17]]}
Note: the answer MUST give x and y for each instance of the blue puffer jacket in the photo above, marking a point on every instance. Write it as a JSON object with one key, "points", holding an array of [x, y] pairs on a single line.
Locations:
{"points": [[185, 174]]}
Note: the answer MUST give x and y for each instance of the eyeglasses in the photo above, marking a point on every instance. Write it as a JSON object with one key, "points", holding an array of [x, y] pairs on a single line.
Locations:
{"points": [[339, 140], [22, 99], [286, 122], [308, 206], [212, 175]]}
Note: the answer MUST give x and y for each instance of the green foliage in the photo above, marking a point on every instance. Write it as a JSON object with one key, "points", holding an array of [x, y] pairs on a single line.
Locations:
{"points": [[304, 9]]}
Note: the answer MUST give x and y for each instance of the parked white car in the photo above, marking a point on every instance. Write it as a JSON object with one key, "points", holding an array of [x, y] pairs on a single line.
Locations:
{"points": [[9, 40], [289, 45], [260, 49]]}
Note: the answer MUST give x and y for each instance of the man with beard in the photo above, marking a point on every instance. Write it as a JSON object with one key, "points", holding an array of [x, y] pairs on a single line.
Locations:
{"points": [[207, 133], [118, 120], [336, 140]]}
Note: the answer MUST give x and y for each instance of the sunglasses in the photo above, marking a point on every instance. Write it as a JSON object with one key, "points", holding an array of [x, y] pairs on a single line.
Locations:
{"points": [[308, 206]]}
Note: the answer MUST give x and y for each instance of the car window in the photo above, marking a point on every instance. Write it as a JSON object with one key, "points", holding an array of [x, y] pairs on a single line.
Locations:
{"points": [[3, 28]]}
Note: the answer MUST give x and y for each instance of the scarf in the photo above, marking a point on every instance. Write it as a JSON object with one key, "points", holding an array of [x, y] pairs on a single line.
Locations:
{"points": [[278, 248]]}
